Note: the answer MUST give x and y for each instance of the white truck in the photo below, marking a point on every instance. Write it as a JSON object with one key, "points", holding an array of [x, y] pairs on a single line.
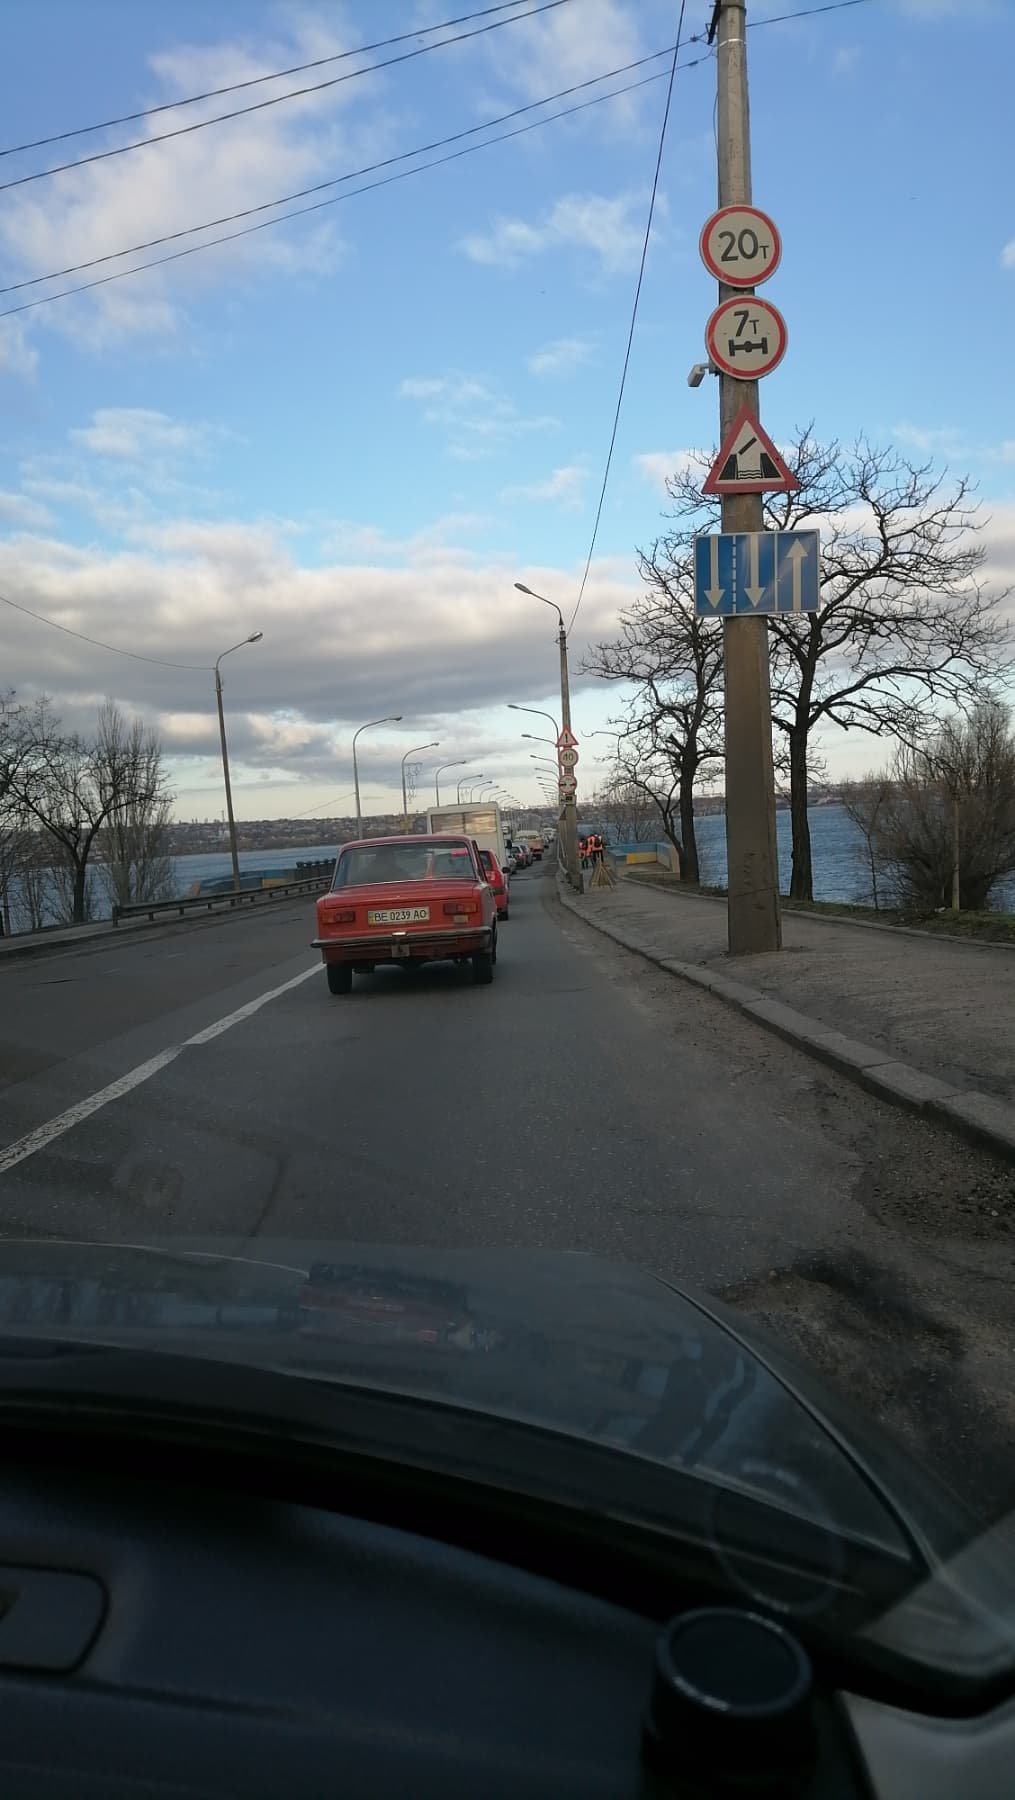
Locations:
{"points": [[481, 821]]}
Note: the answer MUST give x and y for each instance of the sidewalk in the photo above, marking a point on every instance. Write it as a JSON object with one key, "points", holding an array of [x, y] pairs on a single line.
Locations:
{"points": [[921, 1022]]}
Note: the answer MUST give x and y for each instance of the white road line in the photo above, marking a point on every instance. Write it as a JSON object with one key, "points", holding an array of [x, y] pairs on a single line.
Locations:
{"points": [[44, 1134], [252, 1006]]}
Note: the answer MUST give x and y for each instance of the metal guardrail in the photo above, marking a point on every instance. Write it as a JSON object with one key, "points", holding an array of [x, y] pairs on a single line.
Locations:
{"points": [[206, 903]]}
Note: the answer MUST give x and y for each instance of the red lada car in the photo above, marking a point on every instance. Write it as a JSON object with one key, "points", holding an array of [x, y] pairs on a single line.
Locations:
{"points": [[406, 900]]}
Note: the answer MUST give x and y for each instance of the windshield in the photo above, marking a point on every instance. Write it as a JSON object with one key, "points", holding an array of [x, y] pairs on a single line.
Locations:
{"points": [[484, 802], [423, 859]]}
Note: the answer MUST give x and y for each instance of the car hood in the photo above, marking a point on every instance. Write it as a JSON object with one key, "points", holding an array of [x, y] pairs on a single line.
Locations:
{"points": [[574, 1345]]}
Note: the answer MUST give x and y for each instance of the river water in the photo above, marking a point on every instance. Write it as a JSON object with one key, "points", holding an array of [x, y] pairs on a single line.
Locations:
{"points": [[836, 845]]}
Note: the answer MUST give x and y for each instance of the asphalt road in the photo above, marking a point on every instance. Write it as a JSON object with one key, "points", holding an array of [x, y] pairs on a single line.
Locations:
{"points": [[584, 1101]]}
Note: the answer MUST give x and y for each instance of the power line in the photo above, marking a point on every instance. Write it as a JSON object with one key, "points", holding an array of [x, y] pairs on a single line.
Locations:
{"points": [[235, 87], [164, 137], [352, 175], [317, 206], [805, 12], [114, 648], [634, 313]]}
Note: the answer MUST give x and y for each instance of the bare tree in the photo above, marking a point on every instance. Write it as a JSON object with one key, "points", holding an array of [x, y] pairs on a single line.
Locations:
{"points": [[133, 841], [72, 787], [675, 660], [904, 616], [947, 834], [626, 805], [866, 803]]}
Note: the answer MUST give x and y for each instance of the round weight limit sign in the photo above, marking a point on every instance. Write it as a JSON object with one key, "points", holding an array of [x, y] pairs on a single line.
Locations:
{"points": [[740, 245]]}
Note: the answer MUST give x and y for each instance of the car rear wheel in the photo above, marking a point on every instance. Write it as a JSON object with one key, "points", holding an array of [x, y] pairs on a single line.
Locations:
{"points": [[339, 978], [482, 967]]}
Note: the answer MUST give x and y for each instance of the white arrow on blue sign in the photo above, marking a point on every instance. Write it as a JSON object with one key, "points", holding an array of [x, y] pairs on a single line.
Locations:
{"points": [[747, 572]]}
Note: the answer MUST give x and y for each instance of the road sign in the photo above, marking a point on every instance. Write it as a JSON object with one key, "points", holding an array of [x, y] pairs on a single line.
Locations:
{"points": [[740, 245], [567, 759], [567, 787], [753, 572], [567, 739], [746, 337], [748, 462], [713, 573]]}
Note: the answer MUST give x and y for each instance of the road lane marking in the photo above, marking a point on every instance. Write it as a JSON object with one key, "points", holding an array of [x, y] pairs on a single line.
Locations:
{"points": [[44, 1135], [252, 1006]]}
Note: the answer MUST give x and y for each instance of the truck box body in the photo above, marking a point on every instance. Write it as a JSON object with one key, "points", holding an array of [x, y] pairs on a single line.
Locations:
{"points": [[481, 821]]}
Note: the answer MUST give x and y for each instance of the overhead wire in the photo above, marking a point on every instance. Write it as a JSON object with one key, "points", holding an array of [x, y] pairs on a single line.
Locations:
{"points": [[334, 181], [114, 649], [318, 205], [165, 137], [235, 87], [634, 314]]}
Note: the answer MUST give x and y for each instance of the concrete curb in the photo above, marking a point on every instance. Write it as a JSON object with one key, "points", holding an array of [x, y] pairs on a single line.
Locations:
{"points": [[978, 1117]]}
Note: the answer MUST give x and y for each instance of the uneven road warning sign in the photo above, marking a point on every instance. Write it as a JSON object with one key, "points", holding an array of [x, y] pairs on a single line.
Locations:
{"points": [[748, 462]]}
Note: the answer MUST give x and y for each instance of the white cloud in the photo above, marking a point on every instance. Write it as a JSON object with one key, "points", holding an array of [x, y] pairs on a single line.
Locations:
{"points": [[133, 432], [17, 357], [566, 485], [21, 509], [658, 465], [566, 46], [479, 418], [845, 59], [561, 356], [438, 635], [152, 192], [1008, 255], [611, 229]]}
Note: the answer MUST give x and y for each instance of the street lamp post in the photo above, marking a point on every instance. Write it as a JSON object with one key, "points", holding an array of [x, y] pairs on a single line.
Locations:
{"points": [[392, 719], [457, 764], [433, 745], [468, 781], [573, 864], [254, 638], [534, 738]]}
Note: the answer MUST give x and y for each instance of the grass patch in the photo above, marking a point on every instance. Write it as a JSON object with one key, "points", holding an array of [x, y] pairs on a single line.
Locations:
{"points": [[986, 927]]}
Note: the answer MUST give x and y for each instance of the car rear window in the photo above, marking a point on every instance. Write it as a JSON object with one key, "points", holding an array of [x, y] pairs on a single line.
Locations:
{"points": [[418, 859]]}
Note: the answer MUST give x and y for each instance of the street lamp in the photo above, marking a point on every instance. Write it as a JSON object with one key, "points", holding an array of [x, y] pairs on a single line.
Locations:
{"points": [[534, 738], [254, 638], [458, 763], [538, 713], [570, 808], [392, 719], [468, 781], [433, 745]]}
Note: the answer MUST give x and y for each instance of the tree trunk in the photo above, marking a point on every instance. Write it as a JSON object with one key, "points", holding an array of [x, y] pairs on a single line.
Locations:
{"points": [[689, 868], [801, 885], [80, 877]]}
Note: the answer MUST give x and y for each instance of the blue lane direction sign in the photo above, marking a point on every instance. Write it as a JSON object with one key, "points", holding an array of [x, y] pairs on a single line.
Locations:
{"points": [[750, 572], [713, 573]]}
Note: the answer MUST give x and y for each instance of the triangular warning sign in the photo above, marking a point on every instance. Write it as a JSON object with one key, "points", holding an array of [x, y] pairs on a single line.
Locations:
{"points": [[567, 739], [748, 462]]}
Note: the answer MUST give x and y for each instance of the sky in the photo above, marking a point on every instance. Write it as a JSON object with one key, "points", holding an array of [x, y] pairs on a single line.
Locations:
{"points": [[355, 431]]}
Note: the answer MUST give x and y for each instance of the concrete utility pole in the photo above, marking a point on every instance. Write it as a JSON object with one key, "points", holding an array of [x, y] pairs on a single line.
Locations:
{"points": [[754, 922]]}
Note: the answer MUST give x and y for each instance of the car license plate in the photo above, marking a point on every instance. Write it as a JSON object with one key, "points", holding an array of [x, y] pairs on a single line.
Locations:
{"points": [[399, 915]]}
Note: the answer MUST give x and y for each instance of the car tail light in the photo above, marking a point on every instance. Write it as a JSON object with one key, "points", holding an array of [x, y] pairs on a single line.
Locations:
{"points": [[454, 907], [347, 916]]}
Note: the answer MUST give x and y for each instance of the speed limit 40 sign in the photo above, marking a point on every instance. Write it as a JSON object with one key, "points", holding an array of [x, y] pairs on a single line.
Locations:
{"points": [[740, 245]]}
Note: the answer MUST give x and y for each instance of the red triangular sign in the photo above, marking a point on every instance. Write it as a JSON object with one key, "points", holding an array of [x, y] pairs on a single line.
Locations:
{"points": [[567, 739], [749, 462]]}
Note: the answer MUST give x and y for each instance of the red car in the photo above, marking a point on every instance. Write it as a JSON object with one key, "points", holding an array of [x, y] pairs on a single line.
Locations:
{"points": [[406, 900], [498, 880]]}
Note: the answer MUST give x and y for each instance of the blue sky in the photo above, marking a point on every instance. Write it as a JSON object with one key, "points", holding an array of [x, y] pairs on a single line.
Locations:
{"points": [[356, 430]]}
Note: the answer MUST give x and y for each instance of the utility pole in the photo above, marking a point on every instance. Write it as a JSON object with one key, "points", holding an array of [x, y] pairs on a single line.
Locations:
{"points": [[571, 858], [233, 852], [754, 922]]}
